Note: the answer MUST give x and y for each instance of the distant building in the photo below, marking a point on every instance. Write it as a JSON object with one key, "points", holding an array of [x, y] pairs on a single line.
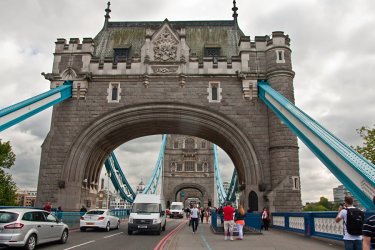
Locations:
{"points": [[339, 194], [117, 202], [26, 198], [140, 187]]}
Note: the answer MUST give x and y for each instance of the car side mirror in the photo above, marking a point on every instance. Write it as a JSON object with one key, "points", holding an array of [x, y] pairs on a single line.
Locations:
{"points": [[162, 213]]}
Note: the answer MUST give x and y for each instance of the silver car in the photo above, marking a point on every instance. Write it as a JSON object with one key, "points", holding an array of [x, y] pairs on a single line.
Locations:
{"points": [[30, 227], [99, 218]]}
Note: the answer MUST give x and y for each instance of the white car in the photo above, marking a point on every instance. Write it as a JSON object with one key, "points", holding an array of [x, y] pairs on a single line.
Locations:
{"points": [[99, 218], [20, 227]]}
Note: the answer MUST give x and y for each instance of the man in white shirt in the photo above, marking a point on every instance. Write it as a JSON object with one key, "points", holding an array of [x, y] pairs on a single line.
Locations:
{"points": [[194, 215], [352, 242]]}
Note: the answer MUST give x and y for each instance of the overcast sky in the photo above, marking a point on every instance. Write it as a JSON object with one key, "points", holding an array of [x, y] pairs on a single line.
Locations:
{"points": [[333, 57]]}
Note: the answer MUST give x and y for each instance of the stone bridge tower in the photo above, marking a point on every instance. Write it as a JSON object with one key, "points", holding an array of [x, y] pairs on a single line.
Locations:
{"points": [[194, 78], [188, 170]]}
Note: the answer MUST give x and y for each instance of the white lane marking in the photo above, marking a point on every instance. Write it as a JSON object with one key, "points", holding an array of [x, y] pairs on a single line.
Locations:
{"points": [[80, 245], [112, 235]]}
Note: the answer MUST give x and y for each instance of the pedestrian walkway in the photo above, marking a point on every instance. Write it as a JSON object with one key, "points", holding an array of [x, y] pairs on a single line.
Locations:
{"points": [[204, 238]]}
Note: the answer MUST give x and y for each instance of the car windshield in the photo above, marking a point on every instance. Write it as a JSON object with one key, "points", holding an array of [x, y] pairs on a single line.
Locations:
{"points": [[96, 212], [145, 208], [176, 207], [6, 217]]}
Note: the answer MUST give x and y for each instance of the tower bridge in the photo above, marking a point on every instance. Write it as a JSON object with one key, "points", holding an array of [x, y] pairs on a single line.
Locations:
{"points": [[203, 79]]}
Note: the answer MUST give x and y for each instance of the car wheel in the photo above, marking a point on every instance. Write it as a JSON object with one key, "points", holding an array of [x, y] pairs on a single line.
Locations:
{"points": [[130, 232], [108, 227], [118, 225], [165, 224], [64, 237], [82, 229], [31, 242], [159, 231]]}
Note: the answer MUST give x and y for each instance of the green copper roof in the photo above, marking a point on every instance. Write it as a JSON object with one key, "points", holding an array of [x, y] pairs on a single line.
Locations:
{"points": [[199, 34]]}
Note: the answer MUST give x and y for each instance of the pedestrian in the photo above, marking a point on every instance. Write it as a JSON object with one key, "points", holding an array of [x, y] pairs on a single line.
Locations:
{"points": [[368, 232], [59, 213], [202, 214], [47, 206], [228, 212], [220, 213], [187, 212], [239, 219], [352, 241], [194, 215], [83, 209], [265, 218], [207, 214]]}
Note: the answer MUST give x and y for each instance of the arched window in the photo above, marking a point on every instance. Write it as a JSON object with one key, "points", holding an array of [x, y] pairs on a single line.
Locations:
{"points": [[189, 143]]}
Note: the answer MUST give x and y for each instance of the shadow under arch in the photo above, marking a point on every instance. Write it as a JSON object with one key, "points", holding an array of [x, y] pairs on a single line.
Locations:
{"points": [[94, 143]]}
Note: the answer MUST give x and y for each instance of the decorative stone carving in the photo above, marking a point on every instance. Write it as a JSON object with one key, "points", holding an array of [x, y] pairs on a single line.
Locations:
{"points": [[164, 69], [165, 46]]}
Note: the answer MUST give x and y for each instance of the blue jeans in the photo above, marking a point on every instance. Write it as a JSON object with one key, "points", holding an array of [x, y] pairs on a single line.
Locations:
{"points": [[353, 244], [194, 224]]}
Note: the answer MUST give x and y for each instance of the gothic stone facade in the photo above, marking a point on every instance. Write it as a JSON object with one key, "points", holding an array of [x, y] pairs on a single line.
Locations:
{"points": [[195, 78], [188, 170]]}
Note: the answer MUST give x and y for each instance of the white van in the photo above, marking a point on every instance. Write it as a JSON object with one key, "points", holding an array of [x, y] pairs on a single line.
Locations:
{"points": [[177, 209], [147, 214]]}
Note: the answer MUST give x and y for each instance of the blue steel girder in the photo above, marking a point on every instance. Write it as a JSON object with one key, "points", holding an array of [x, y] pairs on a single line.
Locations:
{"points": [[155, 178], [125, 192], [350, 168], [219, 183], [231, 193], [20, 111]]}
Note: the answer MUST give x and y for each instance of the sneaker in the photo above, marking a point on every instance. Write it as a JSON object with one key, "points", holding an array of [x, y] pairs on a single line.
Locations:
{"points": [[225, 238], [231, 238]]}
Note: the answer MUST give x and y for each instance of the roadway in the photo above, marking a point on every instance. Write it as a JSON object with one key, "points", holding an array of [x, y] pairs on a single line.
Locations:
{"points": [[112, 240]]}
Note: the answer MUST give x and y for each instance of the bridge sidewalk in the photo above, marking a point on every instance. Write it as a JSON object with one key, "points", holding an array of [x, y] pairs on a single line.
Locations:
{"points": [[204, 238]]}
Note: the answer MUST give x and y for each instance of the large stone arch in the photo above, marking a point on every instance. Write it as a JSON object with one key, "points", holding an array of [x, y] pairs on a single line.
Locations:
{"points": [[90, 149]]}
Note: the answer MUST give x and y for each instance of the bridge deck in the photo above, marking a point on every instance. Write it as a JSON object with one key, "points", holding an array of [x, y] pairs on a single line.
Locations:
{"points": [[272, 239]]}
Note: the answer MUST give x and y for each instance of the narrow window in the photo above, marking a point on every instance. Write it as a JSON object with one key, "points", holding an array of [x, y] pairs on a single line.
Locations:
{"points": [[295, 180], [114, 91], [175, 144], [280, 58], [280, 53], [214, 92], [204, 144]]}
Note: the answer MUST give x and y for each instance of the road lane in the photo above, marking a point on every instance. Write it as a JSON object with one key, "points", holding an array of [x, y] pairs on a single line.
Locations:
{"points": [[112, 240]]}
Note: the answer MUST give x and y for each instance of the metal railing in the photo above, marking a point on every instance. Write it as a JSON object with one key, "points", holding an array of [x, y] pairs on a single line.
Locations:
{"points": [[316, 224]]}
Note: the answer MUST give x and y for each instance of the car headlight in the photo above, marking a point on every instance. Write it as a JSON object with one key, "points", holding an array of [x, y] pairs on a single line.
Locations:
{"points": [[130, 220], [155, 221]]}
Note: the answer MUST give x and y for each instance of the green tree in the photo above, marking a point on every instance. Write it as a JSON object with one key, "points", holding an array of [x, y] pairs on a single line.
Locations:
{"points": [[7, 157], [8, 187], [8, 190], [368, 148]]}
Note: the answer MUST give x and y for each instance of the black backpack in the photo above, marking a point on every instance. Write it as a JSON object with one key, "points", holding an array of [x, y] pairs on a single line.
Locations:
{"points": [[354, 221]]}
